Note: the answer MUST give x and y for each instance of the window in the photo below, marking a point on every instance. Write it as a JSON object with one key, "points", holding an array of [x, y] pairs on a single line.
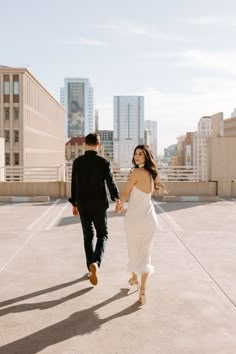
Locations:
{"points": [[7, 159], [16, 158], [15, 88], [16, 136], [72, 154], [6, 89], [7, 136], [6, 113], [16, 113]]}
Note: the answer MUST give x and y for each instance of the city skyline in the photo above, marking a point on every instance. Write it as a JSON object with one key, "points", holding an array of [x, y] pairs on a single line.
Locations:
{"points": [[180, 57]]}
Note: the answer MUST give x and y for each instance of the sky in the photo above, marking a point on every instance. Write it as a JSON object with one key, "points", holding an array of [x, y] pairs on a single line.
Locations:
{"points": [[180, 55]]}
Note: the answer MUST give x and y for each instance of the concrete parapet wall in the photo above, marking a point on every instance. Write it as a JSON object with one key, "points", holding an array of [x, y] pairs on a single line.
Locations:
{"points": [[62, 189], [191, 198], [187, 188], [191, 188], [51, 189], [24, 199], [233, 189]]}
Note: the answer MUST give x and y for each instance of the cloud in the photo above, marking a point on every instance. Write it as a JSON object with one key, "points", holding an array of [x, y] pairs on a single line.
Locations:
{"points": [[212, 20], [123, 27], [219, 61], [84, 41], [126, 27]]}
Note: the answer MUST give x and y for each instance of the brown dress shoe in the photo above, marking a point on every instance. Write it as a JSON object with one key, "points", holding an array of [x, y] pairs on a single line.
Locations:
{"points": [[93, 277]]}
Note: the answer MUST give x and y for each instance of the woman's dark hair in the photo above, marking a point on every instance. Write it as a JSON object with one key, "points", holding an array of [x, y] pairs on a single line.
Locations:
{"points": [[92, 139], [150, 165]]}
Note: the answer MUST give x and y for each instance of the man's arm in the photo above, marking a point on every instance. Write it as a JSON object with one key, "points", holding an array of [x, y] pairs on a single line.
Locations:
{"points": [[111, 185], [73, 198]]}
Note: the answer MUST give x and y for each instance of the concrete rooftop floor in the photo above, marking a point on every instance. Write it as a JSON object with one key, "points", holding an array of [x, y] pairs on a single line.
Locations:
{"points": [[47, 305]]}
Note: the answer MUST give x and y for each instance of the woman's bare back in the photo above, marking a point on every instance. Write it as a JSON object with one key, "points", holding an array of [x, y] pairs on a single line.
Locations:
{"points": [[144, 180]]}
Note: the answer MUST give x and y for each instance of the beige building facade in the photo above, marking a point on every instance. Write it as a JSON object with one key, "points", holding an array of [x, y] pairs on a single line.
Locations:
{"points": [[2, 158], [31, 121], [188, 149], [180, 150], [200, 146], [221, 156], [230, 127]]}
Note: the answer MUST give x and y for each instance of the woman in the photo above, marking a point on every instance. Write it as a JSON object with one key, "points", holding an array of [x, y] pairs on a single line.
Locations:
{"points": [[140, 218]]}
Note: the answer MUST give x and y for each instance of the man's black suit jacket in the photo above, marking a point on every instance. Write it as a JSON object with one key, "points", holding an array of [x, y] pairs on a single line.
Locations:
{"points": [[90, 173]]}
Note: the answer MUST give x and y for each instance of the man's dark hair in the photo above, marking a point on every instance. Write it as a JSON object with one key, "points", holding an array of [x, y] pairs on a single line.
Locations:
{"points": [[92, 139]]}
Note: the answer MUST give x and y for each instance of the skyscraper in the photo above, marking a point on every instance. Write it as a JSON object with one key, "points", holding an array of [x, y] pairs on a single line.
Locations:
{"points": [[106, 137], [128, 125], [152, 126], [77, 98], [233, 114], [96, 120]]}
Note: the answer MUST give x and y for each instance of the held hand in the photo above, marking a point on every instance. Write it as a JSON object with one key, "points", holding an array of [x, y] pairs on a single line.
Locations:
{"points": [[117, 207], [75, 211], [120, 208]]}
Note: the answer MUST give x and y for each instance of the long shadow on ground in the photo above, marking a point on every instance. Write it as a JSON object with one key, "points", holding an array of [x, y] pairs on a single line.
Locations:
{"points": [[79, 323]]}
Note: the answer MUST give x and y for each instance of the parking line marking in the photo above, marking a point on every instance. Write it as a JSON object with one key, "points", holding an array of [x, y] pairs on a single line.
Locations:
{"points": [[53, 222], [169, 220], [21, 248], [31, 226]]}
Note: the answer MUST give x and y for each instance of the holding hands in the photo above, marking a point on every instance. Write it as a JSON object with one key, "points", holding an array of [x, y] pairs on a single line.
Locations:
{"points": [[119, 207]]}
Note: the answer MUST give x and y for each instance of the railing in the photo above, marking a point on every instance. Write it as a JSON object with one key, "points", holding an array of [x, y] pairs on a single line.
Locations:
{"points": [[182, 173], [32, 174], [63, 173], [168, 174]]}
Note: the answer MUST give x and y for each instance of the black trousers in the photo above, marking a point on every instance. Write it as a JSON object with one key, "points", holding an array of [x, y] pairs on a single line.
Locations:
{"points": [[94, 250]]}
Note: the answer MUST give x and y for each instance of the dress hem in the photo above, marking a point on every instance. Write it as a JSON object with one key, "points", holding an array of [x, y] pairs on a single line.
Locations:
{"points": [[141, 269]]}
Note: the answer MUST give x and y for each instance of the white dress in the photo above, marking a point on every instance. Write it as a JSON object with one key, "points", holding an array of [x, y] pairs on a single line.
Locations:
{"points": [[140, 226]]}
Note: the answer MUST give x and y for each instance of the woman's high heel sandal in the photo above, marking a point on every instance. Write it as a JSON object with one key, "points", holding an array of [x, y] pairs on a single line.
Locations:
{"points": [[142, 296], [133, 281]]}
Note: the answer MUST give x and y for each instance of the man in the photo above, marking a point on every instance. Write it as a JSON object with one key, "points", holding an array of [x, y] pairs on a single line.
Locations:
{"points": [[90, 174]]}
